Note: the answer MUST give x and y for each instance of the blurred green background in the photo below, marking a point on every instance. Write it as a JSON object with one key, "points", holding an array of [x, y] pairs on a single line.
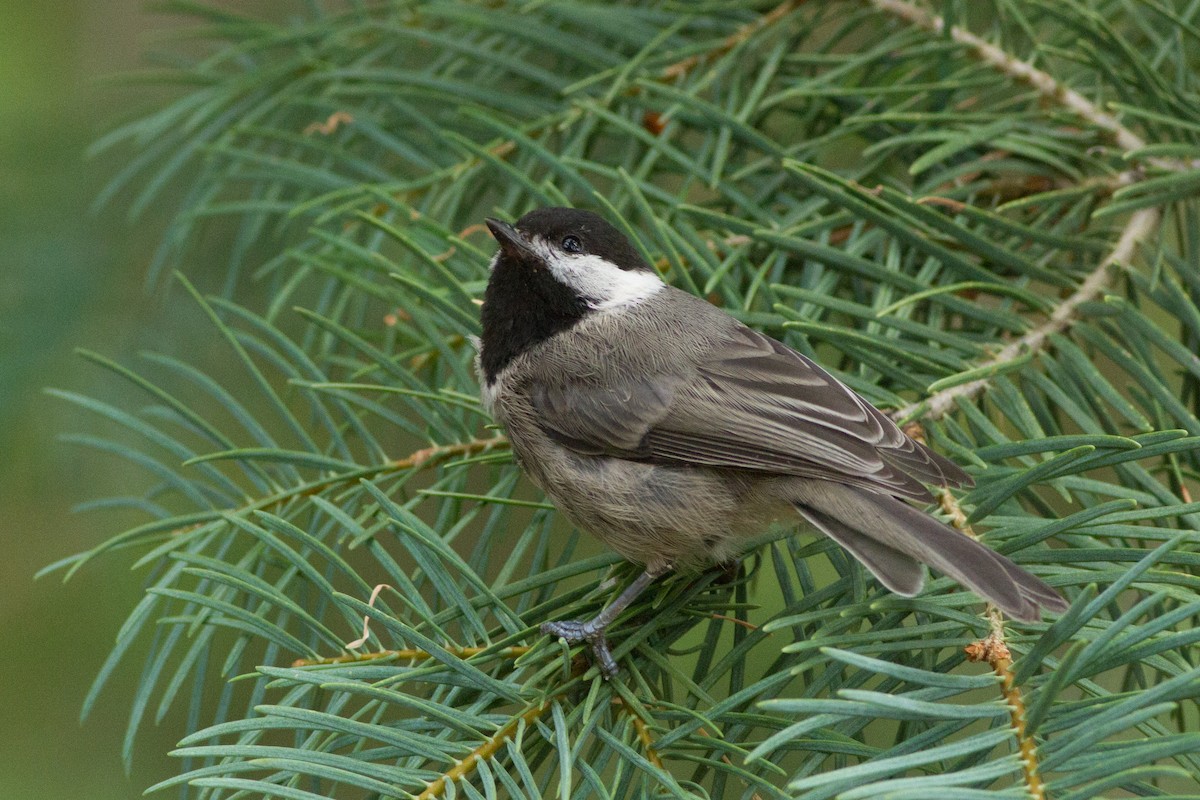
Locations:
{"points": [[68, 277]]}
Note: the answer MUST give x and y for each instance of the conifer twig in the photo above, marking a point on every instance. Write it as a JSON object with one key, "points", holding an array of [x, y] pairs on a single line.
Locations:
{"points": [[419, 459], [681, 68], [994, 650], [1141, 224], [407, 654], [1040, 80], [489, 748], [643, 733]]}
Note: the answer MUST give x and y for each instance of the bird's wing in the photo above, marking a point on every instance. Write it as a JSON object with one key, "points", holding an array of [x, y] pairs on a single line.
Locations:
{"points": [[751, 403]]}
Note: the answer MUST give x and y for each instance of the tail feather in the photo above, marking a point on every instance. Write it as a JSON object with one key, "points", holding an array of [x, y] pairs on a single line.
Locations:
{"points": [[889, 536], [898, 572]]}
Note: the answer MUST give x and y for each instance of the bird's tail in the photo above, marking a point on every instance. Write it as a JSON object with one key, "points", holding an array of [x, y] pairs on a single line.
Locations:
{"points": [[892, 539]]}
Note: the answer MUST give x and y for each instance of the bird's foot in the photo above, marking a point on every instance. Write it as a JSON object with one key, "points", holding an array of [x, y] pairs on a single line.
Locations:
{"points": [[574, 631]]}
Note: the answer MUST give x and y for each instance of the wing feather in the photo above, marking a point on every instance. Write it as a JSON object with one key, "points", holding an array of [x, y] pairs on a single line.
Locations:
{"points": [[751, 403]]}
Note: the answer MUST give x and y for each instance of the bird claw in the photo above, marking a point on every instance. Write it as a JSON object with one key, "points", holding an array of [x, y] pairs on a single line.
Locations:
{"points": [[575, 631]]}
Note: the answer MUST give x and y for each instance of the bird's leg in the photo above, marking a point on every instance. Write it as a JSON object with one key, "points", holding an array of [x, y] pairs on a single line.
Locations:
{"points": [[592, 631]]}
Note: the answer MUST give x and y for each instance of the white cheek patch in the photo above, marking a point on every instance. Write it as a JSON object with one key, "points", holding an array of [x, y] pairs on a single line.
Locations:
{"points": [[488, 392], [602, 283]]}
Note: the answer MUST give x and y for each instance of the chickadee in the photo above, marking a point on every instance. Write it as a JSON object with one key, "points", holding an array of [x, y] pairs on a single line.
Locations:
{"points": [[673, 432]]}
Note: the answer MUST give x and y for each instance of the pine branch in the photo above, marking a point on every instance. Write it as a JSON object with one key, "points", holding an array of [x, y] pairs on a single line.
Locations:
{"points": [[681, 69], [407, 654], [1139, 228], [1053, 90], [353, 156], [994, 650]]}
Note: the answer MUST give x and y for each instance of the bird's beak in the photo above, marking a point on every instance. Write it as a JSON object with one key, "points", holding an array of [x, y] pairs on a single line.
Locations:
{"points": [[510, 239]]}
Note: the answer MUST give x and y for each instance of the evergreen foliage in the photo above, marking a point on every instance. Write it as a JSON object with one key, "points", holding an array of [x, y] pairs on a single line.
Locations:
{"points": [[985, 220]]}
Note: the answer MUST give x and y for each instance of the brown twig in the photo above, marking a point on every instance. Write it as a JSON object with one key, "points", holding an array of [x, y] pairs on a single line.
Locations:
{"points": [[427, 456], [1141, 224], [484, 751], [1041, 81], [420, 459], [958, 517], [493, 744], [681, 68], [995, 652], [407, 654], [330, 125], [643, 732], [744, 623]]}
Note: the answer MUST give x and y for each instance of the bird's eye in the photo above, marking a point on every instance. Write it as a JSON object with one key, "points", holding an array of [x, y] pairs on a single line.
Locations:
{"points": [[572, 244]]}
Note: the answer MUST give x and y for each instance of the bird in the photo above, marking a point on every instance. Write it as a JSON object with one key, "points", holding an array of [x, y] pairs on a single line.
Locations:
{"points": [[675, 433]]}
